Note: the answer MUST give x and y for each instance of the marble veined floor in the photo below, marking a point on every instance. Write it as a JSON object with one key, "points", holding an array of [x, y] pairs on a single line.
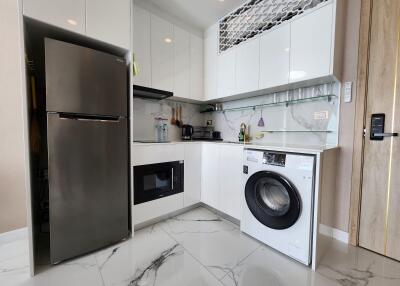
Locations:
{"points": [[199, 248]]}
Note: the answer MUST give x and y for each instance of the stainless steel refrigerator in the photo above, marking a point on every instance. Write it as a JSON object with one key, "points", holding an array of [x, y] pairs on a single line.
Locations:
{"points": [[88, 152]]}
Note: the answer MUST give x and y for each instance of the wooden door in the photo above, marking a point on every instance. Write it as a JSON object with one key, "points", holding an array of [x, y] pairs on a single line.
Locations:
{"points": [[380, 205]]}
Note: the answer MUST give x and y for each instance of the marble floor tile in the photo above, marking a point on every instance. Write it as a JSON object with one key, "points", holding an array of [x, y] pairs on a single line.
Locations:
{"points": [[151, 257], [216, 243], [357, 266], [267, 267], [14, 262], [80, 271], [199, 248]]}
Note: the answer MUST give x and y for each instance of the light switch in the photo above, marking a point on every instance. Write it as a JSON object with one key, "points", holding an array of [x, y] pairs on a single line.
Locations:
{"points": [[347, 90]]}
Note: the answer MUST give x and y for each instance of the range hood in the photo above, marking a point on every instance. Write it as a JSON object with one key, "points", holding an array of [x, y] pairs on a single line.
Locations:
{"points": [[151, 93]]}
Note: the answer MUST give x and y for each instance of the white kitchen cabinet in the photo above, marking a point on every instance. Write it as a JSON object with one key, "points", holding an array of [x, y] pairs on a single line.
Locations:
{"points": [[231, 188], [141, 46], [109, 21], [311, 44], [69, 15], [145, 154], [210, 62], [192, 174], [275, 57], [226, 73], [162, 53], [196, 68], [210, 175], [181, 63], [248, 66]]}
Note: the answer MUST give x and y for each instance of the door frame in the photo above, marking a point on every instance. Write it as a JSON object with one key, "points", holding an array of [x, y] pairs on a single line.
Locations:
{"points": [[360, 121]]}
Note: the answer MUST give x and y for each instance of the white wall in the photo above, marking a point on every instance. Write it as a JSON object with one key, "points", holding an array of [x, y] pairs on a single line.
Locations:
{"points": [[12, 161], [347, 113]]}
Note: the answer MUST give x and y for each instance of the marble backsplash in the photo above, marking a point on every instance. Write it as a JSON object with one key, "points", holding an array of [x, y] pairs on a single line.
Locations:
{"points": [[144, 112], [314, 121]]}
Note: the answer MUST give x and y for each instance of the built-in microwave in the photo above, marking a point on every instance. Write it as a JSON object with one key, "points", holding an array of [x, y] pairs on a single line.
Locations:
{"points": [[156, 181]]}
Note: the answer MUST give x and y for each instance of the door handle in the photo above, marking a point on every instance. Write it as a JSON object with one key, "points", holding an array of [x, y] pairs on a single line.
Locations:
{"points": [[395, 134]]}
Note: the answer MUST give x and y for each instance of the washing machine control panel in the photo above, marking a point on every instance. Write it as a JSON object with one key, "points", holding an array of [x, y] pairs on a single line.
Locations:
{"points": [[275, 159]]}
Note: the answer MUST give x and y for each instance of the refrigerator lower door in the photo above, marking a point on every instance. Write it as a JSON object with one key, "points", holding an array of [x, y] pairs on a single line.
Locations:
{"points": [[88, 184]]}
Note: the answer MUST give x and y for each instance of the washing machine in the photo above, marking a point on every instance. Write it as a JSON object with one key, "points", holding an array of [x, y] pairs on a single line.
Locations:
{"points": [[277, 201]]}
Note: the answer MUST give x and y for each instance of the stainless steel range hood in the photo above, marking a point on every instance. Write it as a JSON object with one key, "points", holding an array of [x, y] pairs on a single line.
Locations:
{"points": [[151, 93]]}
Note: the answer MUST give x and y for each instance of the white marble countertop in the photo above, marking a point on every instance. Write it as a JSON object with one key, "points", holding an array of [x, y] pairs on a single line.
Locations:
{"points": [[299, 148]]}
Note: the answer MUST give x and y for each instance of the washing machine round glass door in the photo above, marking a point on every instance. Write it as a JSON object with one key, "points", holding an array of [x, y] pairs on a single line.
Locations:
{"points": [[273, 200]]}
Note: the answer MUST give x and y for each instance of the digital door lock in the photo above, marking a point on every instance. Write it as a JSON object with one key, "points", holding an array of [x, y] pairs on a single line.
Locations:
{"points": [[378, 127]]}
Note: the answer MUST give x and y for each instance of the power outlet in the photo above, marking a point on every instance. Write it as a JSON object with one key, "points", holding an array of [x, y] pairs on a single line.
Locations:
{"points": [[321, 115]]}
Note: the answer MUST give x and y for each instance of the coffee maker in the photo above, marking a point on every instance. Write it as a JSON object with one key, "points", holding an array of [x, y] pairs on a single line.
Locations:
{"points": [[187, 132]]}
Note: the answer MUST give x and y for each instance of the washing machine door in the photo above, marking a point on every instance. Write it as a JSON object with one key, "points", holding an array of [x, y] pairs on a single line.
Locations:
{"points": [[273, 200]]}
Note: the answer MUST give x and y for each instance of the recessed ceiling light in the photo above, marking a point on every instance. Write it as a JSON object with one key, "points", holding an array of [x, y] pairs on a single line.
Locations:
{"points": [[168, 40], [221, 0], [72, 22]]}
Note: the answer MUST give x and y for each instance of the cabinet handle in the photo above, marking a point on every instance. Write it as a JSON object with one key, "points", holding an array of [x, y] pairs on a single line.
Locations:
{"points": [[172, 178]]}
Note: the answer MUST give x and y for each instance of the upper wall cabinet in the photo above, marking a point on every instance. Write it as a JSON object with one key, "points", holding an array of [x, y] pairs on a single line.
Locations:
{"points": [[311, 45], [274, 57], [141, 46], [226, 73], [247, 66], [181, 63], [66, 14], [168, 57], [210, 62], [196, 68], [104, 20], [162, 54], [109, 21], [304, 50]]}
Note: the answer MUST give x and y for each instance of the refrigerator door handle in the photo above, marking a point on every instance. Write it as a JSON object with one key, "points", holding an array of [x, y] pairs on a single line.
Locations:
{"points": [[99, 120], [89, 118]]}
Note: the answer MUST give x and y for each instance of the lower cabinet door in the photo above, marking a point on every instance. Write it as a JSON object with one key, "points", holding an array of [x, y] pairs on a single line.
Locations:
{"points": [[230, 193], [192, 174], [210, 175]]}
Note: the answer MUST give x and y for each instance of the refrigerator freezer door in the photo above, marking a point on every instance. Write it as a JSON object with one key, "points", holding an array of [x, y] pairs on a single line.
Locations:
{"points": [[88, 184], [84, 81]]}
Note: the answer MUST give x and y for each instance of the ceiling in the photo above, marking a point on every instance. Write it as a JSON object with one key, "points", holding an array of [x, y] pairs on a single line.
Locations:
{"points": [[201, 14]]}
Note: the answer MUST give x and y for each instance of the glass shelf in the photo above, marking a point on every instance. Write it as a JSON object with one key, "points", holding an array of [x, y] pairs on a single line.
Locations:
{"points": [[297, 131], [286, 102]]}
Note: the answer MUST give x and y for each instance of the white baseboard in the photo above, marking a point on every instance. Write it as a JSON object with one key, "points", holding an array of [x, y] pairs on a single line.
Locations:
{"points": [[14, 235], [334, 233]]}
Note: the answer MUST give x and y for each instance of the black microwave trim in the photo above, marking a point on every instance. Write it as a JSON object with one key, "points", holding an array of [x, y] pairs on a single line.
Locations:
{"points": [[142, 196]]}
